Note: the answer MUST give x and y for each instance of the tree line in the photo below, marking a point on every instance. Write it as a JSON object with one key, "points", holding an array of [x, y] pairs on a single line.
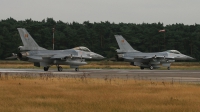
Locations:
{"points": [[99, 37]]}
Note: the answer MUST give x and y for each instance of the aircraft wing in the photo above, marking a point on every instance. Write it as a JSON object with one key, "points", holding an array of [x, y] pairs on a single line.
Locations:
{"points": [[59, 56], [148, 57], [158, 57], [128, 58]]}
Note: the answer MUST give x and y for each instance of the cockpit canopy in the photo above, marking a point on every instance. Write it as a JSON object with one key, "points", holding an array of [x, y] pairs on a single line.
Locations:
{"points": [[174, 51], [81, 48]]}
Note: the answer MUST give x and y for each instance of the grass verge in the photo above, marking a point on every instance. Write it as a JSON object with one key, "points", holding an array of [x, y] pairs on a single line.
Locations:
{"points": [[64, 94]]}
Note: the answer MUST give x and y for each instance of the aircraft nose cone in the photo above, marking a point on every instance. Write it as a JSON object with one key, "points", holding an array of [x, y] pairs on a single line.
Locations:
{"points": [[190, 58], [100, 56], [97, 56], [184, 57]]}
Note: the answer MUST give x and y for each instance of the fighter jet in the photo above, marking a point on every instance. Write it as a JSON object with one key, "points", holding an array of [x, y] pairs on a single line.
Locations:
{"points": [[42, 57], [147, 60]]}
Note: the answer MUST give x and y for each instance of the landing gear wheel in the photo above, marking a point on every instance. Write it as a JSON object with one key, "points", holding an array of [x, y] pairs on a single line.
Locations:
{"points": [[76, 69], [60, 68], [46, 68], [142, 68], [168, 68], [151, 67]]}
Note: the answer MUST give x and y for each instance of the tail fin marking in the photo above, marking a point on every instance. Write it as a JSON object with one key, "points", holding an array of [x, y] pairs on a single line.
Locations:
{"points": [[124, 45], [28, 42]]}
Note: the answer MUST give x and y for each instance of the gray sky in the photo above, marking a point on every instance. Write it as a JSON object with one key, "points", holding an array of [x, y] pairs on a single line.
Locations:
{"points": [[126, 11]]}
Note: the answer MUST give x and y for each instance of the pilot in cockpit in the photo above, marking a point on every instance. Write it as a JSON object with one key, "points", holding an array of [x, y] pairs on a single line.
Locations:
{"points": [[81, 48], [174, 51]]}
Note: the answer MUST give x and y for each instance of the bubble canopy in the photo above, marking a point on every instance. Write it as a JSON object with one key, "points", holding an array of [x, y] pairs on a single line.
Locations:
{"points": [[81, 48], [174, 51]]}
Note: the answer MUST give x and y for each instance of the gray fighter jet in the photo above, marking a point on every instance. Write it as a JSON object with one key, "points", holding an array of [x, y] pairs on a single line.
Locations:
{"points": [[147, 60], [42, 57]]}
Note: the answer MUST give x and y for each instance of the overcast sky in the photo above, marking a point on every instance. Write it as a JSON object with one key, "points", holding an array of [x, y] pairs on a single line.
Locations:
{"points": [[126, 11]]}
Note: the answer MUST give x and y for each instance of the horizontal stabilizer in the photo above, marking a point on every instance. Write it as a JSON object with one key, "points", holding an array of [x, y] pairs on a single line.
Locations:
{"points": [[35, 57], [14, 56], [129, 59]]}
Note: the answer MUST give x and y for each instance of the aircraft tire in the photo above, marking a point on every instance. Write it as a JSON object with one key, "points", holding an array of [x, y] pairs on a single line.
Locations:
{"points": [[151, 67], [60, 68], [46, 68], [168, 68], [76, 69]]}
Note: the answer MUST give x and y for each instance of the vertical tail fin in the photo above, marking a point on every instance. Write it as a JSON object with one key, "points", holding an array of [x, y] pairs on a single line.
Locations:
{"points": [[28, 42], [124, 45]]}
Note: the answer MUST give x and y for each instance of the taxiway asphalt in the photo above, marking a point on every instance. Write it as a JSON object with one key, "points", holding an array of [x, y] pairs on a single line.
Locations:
{"points": [[160, 75]]}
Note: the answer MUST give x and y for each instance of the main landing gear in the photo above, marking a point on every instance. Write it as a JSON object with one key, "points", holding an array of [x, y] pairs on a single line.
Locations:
{"points": [[59, 68], [76, 69], [46, 68], [151, 67]]}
